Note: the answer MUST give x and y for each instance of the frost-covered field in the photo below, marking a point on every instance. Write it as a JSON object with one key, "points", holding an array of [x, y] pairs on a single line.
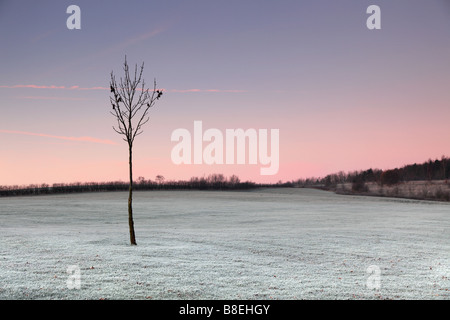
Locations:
{"points": [[263, 244]]}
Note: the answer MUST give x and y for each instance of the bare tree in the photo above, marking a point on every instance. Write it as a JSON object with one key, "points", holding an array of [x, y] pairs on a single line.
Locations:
{"points": [[160, 179], [131, 102]]}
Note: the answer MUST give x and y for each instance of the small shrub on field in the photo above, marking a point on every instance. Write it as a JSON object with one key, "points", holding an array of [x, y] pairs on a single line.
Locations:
{"points": [[411, 191], [442, 195], [396, 191], [359, 186], [424, 193], [393, 192], [446, 196]]}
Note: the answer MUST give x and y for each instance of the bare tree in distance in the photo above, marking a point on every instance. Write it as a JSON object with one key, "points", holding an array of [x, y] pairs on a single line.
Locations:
{"points": [[131, 102], [160, 179]]}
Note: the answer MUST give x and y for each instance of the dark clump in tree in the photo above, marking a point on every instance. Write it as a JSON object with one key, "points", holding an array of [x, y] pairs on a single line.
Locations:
{"points": [[358, 185], [131, 102], [390, 177]]}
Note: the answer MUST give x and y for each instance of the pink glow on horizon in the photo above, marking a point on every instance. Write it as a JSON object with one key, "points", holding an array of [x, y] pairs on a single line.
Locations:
{"points": [[205, 90], [53, 98], [82, 139], [33, 86]]}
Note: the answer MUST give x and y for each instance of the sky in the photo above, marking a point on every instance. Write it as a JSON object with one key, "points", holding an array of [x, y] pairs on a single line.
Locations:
{"points": [[343, 96]]}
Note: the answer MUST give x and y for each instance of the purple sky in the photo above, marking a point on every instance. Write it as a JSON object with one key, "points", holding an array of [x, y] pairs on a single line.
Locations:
{"points": [[344, 97]]}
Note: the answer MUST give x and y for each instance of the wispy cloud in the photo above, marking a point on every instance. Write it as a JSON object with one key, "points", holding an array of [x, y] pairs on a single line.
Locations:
{"points": [[43, 35], [79, 139], [53, 98], [33, 86], [127, 42], [140, 37], [205, 90], [89, 88]]}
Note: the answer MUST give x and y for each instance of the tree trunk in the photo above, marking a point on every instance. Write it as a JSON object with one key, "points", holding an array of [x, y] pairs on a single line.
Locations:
{"points": [[130, 200]]}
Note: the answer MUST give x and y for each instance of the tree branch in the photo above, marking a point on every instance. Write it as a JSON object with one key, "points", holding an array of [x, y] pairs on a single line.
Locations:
{"points": [[128, 106]]}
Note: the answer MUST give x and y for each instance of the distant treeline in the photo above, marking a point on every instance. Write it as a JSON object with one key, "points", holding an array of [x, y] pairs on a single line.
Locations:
{"points": [[211, 182], [438, 169]]}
